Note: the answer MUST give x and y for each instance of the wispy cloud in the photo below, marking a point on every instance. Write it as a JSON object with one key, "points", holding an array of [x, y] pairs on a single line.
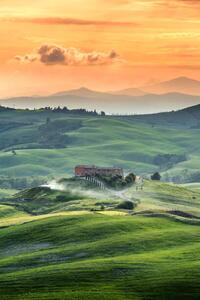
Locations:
{"points": [[190, 2], [68, 21], [58, 55]]}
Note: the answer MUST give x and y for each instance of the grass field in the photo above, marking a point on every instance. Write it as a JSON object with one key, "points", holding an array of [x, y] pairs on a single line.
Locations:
{"points": [[131, 144], [194, 185], [7, 192], [75, 243], [150, 253]]}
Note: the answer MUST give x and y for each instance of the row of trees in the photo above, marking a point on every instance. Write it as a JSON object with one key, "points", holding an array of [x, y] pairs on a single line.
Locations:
{"points": [[76, 111], [117, 181]]}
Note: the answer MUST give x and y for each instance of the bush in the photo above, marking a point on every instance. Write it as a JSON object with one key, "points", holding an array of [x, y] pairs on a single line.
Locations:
{"points": [[130, 178], [61, 198], [156, 176], [117, 181], [126, 205]]}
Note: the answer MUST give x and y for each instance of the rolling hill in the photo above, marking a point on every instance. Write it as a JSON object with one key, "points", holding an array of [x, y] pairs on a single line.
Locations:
{"points": [[149, 253], [49, 143], [76, 242]]}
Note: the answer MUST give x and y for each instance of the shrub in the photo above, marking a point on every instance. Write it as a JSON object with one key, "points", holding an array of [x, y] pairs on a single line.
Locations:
{"points": [[126, 205], [117, 181], [156, 176], [130, 178], [61, 198]]}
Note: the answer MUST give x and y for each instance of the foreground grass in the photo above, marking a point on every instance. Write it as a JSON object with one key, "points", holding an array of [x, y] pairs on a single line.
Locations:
{"points": [[110, 254], [98, 256]]}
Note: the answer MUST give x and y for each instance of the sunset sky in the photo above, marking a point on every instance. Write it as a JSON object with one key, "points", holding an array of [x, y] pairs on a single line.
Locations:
{"points": [[48, 46]]}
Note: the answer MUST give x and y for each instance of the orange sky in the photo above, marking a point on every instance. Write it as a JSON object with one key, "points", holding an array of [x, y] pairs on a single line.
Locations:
{"points": [[101, 44]]}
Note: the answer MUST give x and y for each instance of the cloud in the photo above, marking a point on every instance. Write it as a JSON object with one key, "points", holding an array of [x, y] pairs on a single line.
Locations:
{"points": [[68, 21], [119, 2], [189, 2], [58, 55]]}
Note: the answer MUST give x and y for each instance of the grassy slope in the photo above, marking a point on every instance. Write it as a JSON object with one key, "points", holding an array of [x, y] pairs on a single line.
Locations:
{"points": [[7, 192], [192, 186], [42, 200], [109, 141], [97, 256], [107, 255], [162, 197]]}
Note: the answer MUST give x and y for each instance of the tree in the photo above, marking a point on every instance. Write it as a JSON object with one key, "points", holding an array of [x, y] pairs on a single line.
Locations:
{"points": [[126, 205], [156, 176], [130, 178], [48, 120]]}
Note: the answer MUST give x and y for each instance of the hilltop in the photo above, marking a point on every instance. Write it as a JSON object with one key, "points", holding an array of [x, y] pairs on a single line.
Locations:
{"points": [[179, 85]]}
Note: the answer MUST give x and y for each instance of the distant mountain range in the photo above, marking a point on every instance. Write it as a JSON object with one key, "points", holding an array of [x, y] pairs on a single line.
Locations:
{"points": [[128, 101], [182, 85], [130, 92]]}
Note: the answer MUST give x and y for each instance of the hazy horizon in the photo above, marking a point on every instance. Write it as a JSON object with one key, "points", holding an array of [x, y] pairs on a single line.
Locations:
{"points": [[103, 45]]}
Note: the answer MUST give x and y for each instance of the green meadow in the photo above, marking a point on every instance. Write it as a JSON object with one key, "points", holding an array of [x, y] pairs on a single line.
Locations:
{"points": [[152, 252], [75, 242], [48, 144]]}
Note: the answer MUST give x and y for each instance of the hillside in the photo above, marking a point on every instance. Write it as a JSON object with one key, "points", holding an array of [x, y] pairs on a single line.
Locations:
{"points": [[185, 118], [47, 143], [83, 254], [70, 195]]}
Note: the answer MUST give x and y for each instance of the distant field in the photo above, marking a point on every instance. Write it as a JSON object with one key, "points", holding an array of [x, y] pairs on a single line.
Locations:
{"points": [[54, 149]]}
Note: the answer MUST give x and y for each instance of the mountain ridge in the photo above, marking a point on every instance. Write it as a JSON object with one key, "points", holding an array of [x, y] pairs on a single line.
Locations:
{"points": [[117, 104], [180, 84]]}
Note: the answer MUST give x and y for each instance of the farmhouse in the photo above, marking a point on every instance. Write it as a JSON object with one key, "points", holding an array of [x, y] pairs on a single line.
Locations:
{"points": [[84, 171]]}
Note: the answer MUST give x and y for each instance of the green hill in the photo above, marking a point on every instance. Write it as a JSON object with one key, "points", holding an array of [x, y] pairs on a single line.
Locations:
{"points": [[47, 143], [151, 252], [71, 195]]}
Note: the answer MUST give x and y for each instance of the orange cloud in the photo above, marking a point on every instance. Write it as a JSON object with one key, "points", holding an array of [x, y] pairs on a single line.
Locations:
{"points": [[54, 55], [68, 21], [190, 1]]}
